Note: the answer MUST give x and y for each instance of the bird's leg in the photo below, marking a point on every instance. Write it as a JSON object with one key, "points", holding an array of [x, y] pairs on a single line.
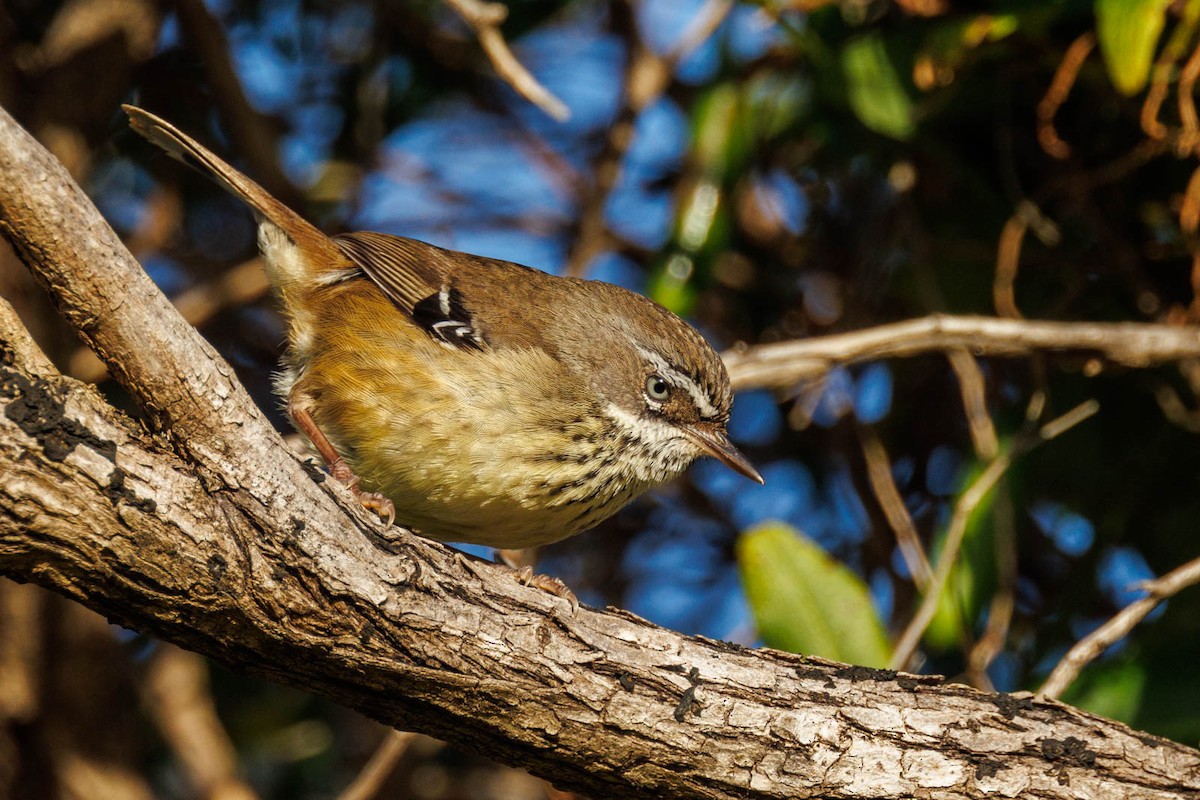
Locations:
{"points": [[299, 408]]}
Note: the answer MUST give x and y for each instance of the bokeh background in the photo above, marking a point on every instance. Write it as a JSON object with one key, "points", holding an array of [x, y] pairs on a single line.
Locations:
{"points": [[772, 171]]}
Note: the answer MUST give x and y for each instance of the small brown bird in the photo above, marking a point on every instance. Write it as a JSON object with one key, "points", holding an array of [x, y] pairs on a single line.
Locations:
{"points": [[476, 400]]}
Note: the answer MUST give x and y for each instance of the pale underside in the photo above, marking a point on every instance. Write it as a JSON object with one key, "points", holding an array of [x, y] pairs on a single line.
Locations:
{"points": [[458, 458]]}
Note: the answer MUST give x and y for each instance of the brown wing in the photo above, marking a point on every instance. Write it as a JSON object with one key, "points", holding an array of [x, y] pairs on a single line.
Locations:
{"points": [[406, 270], [466, 301], [418, 278]]}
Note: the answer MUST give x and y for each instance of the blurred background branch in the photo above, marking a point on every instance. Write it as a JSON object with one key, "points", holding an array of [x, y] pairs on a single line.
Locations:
{"points": [[782, 364], [484, 18], [1087, 649]]}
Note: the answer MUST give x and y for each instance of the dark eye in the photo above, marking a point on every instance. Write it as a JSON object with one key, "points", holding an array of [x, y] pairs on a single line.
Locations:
{"points": [[657, 388]]}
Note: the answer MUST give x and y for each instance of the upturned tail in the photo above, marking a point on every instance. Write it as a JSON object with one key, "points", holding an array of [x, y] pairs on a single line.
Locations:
{"points": [[313, 252]]}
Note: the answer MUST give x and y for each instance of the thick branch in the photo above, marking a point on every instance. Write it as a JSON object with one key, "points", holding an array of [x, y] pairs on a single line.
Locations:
{"points": [[601, 702], [1129, 344], [216, 539]]}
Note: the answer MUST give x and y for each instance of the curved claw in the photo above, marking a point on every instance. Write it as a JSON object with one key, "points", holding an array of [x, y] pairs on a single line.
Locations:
{"points": [[372, 501], [377, 503], [549, 584]]}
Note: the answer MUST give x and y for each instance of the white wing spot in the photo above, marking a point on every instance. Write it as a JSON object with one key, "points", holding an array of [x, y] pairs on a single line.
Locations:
{"points": [[335, 276]]}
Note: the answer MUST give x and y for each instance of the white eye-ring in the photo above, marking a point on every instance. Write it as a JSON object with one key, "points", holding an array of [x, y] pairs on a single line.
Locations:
{"points": [[657, 389]]}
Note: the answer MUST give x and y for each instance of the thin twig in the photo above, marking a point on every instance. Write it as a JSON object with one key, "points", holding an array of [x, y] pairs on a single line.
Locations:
{"points": [[484, 18], [702, 26], [642, 80], [1130, 344], [1000, 610], [179, 696], [987, 446], [972, 497], [1091, 646], [1060, 425], [383, 761], [252, 132], [1140, 154], [1175, 410], [879, 473], [1189, 209], [1187, 84], [1155, 95], [1160, 83], [956, 530], [974, 398], [1008, 253], [1057, 92], [647, 75]]}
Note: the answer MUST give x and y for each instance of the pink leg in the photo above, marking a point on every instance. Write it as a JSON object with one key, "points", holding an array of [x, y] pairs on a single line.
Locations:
{"points": [[298, 408]]}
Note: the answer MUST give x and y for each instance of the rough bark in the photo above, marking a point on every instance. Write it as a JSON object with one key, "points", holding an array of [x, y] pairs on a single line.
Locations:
{"points": [[207, 533]]}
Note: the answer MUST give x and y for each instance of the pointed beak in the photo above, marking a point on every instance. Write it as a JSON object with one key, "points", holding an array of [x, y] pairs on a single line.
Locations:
{"points": [[714, 441]]}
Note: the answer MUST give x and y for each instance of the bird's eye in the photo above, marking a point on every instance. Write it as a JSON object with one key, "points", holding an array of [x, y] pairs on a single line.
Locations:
{"points": [[657, 388]]}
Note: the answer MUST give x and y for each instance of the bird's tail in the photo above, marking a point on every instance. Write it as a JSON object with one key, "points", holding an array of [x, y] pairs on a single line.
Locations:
{"points": [[314, 252]]}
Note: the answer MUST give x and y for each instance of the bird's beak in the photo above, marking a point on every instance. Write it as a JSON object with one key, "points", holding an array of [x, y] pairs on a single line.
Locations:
{"points": [[714, 441]]}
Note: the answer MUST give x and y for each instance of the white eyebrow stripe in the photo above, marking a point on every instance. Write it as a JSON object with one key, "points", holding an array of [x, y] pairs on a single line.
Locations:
{"points": [[679, 380]]}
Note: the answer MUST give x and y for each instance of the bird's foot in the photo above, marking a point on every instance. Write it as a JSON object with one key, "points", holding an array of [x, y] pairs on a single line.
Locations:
{"points": [[527, 577], [372, 501]]}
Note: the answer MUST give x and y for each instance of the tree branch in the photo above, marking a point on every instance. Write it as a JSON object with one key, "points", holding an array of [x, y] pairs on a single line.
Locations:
{"points": [[213, 537], [1128, 344], [484, 18], [646, 76], [1090, 647]]}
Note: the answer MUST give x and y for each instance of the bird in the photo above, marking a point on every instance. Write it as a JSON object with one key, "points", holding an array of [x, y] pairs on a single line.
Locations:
{"points": [[475, 400]]}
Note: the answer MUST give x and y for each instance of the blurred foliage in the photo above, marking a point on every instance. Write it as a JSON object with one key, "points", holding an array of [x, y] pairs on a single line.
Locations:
{"points": [[973, 580], [812, 167], [874, 88], [807, 602], [1128, 32]]}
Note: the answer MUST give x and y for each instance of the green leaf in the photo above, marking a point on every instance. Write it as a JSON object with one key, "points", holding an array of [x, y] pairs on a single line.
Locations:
{"points": [[1128, 32], [805, 601], [874, 87]]}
